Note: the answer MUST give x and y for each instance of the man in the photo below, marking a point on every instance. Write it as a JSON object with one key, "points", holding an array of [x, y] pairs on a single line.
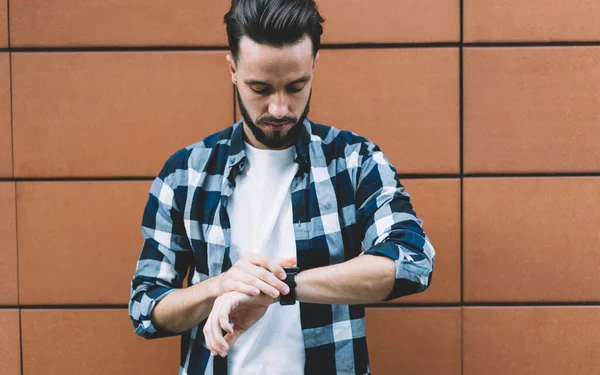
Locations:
{"points": [[272, 191]]}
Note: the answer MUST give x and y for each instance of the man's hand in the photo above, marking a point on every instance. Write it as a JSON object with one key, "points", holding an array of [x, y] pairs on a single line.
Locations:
{"points": [[254, 274], [238, 308]]}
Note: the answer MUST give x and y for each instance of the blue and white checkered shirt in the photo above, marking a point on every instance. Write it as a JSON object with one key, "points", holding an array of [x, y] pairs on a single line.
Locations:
{"points": [[345, 194]]}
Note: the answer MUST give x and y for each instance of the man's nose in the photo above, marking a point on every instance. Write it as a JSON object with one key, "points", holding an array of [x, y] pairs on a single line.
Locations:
{"points": [[278, 107]]}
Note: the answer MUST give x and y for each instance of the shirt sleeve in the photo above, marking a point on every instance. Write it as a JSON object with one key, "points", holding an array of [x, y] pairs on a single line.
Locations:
{"points": [[165, 257], [391, 227]]}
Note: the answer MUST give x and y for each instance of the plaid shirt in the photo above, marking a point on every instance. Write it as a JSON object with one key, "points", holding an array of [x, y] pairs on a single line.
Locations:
{"points": [[345, 194]]}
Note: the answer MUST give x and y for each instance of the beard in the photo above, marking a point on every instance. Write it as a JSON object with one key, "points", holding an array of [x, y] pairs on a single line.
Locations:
{"points": [[277, 139]]}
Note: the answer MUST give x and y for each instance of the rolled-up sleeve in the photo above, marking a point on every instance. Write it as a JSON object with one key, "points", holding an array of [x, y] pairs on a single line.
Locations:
{"points": [[165, 256], [391, 227]]}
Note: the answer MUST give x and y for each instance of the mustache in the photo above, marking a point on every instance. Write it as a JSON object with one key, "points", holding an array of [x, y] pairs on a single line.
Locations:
{"points": [[274, 120]]}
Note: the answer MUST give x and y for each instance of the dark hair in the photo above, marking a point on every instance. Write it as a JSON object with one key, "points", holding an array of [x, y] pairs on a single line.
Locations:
{"points": [[273, 22]]}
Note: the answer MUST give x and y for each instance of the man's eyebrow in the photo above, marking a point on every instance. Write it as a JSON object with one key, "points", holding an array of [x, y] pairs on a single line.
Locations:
{"points": [[258, 82], [300, 80]]}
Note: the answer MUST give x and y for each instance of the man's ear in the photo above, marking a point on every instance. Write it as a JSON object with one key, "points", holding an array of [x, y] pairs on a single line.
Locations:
{"points": [[232, 68], [315, 59]]}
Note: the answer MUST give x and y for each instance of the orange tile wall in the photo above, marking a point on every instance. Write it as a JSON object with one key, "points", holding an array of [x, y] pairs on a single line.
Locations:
{"points": [[489, 109]]}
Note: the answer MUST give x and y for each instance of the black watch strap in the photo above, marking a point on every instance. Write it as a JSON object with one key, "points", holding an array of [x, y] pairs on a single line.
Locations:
{"points": [[290, 280]]}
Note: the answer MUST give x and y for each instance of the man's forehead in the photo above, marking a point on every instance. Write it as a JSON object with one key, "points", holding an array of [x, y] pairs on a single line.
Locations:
{"points": [[256, 58]]}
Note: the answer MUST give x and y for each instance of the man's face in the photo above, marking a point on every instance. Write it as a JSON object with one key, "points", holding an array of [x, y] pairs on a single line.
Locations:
{"points": [[273, 87]]}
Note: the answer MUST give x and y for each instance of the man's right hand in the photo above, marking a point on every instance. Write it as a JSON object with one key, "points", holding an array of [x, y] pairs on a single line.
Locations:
{"points": [[255, 273], [233, 313]]}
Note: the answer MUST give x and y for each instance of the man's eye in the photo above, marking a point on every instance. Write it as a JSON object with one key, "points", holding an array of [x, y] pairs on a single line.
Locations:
{"points": [[261, 91], [293, 90]]}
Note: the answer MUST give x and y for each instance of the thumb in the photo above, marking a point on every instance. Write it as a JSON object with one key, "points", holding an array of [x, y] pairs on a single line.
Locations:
{"points": [[287, 262]]}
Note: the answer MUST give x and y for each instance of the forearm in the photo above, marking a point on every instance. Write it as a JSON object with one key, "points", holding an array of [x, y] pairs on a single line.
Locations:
{"points": [[185, 308], [362, 280]]}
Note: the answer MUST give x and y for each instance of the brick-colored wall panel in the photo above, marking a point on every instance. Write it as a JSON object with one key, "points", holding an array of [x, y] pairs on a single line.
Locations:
{"points": [[79, 241], [10, 351], [390, 21], [437, 203], [414, 341], [117, 23], [114, 114], [8, 245], [531, 239], [4, 24], [92, 342], [5, 125], [531, 340], [532, 20], [406, 101], [532, 110]]}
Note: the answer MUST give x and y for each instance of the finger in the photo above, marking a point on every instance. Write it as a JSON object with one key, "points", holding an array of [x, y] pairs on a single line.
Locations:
{"points": [[267, 263], [231, 339], [208, 337], [220, 343], [211, 338], [241, 287], [252, 275], [271, 279], [254, 279], [225, 325]]}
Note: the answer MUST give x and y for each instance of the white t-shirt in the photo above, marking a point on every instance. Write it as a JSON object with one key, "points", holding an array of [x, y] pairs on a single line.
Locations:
{"points": [[260, 213]]}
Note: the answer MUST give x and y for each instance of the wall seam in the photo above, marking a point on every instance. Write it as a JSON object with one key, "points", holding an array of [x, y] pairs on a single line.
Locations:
{"points": [[461, 219], [403, 176], [12, 140], [415, 305], [10, 80], [367, 46]]}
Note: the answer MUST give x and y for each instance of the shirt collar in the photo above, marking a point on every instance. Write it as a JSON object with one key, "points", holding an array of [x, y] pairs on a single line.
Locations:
{"points": [[237, 154]]}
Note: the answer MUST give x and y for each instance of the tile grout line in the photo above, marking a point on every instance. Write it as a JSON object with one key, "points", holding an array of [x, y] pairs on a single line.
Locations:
{"points": [[12, 140], [93, 49], [20, 311], [407, 176], [21, 338], [71, 307], [10, 74], [359, 46], [462, 340], [461, 150], [144, 179], [79, 179], [533, 44], [531, 175], [428, 305], [462, 162]]}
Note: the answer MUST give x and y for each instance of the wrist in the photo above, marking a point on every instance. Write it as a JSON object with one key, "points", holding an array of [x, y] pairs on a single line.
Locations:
{"points": [[290, 281], [214, 286], [301, 285]]}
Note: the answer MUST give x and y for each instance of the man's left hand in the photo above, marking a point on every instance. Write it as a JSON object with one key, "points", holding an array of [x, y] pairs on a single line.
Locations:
{"points": [[240, 309]]}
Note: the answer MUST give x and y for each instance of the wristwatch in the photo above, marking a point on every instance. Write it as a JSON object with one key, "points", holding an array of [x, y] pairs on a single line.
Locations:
{"points": [[290, 280]]}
